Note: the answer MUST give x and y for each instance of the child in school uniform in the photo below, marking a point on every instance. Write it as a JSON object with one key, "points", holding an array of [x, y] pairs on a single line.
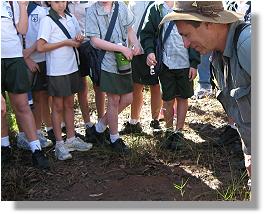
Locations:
{"points": [[64, 79], [15, 81], [36, 62], [118, 86], [77, 8]]}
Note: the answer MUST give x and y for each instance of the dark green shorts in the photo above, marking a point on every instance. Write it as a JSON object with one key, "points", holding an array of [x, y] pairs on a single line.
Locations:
{"points": [[15, 75], [66, 85], [40, 79], [175, 83], [140, 71], [116, 83]]}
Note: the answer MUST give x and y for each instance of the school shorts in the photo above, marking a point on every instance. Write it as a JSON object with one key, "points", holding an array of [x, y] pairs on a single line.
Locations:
{"points": [[175, 83], [116, 83], [40, 79], [15, 75], [65, 85], [141, 71]]}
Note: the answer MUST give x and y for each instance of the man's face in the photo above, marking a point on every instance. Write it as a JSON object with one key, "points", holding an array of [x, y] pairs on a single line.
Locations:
{"points": [[199, 38]]}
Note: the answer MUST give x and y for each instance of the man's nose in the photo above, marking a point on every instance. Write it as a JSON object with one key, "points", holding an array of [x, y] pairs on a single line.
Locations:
{"points": [[186, 42]]}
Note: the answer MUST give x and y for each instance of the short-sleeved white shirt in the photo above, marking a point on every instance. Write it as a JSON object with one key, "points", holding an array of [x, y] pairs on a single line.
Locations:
{"points": [[77, 8], [61, 61], [33, 27], [11, 46]]}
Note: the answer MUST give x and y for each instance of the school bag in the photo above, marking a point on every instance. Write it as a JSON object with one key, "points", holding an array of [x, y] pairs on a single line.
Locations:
{"points": [[237, 33], [91, 58]]}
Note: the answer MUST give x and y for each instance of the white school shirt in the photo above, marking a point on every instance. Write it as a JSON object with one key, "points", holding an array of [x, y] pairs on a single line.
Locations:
{"points": [[77, 8], [33, 27], [61, 61], [11, 46]]}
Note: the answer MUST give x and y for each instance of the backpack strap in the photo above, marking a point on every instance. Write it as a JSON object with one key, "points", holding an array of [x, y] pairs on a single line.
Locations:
{"points": [[143, 18], [65, 31], [110, 29], [238, 31], [167, 32]]}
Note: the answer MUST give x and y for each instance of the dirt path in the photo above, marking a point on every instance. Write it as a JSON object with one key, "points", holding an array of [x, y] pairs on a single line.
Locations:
{"points": [[199, 170]]}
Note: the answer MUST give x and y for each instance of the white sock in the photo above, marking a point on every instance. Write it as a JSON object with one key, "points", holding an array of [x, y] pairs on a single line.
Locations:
{"points": [[69, 140], [114, 137], [233, 126], [60, 142], [133, 121], [34, 145], [21, 134], [5, 141], [88, 125], [100, 127], [48, 128]]}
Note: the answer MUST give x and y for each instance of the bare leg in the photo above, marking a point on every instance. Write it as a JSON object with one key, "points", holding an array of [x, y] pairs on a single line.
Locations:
{"points": [[83, 101], [24, 115], [137, 103], [168, 113], [68, 103], [182, 107], [156, 101], [57, 113], [99, 101]]}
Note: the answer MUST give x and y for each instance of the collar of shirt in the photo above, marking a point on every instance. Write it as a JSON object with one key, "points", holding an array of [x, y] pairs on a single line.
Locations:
{"points": [[56, 16]]}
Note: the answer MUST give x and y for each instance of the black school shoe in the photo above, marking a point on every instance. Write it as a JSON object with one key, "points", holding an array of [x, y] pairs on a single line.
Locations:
{"points": [[40, 160], [129, 128], [120, 147], [6, 154], [172, 141], [229, 135], [97, 138]]}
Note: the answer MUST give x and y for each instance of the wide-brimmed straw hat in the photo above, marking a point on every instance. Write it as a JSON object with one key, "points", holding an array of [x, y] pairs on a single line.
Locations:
{"points": [[202, 11]]}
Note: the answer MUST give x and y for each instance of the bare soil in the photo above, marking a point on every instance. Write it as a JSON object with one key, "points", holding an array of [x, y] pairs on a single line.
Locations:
{"points": [[199, 171]]}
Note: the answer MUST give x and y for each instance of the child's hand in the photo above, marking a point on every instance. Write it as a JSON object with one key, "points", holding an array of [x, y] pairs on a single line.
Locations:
{"points": [[33, 67], [151, 59], [192, 74], [79, 38], [136, 50], [127, 53], [72, 43]]}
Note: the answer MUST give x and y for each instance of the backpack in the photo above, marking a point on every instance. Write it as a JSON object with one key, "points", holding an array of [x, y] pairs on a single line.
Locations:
{"points": [[237, 33], [91, 58]]}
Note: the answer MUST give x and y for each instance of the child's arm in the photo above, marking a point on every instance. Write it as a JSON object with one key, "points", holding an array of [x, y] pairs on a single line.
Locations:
{"points": [[22, 25], [43, 46], [132, 38], [111, 47]]}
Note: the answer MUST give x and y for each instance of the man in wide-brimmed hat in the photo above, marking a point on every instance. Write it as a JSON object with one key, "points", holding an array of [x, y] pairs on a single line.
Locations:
{"points": [[206, 26]]}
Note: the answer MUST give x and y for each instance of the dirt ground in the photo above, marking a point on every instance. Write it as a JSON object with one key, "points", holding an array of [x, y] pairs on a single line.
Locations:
{"points": [[199, 171]]}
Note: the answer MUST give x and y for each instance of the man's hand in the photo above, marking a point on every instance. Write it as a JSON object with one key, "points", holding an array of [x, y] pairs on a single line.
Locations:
{"points": [[151, 59], [192, 74]]}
